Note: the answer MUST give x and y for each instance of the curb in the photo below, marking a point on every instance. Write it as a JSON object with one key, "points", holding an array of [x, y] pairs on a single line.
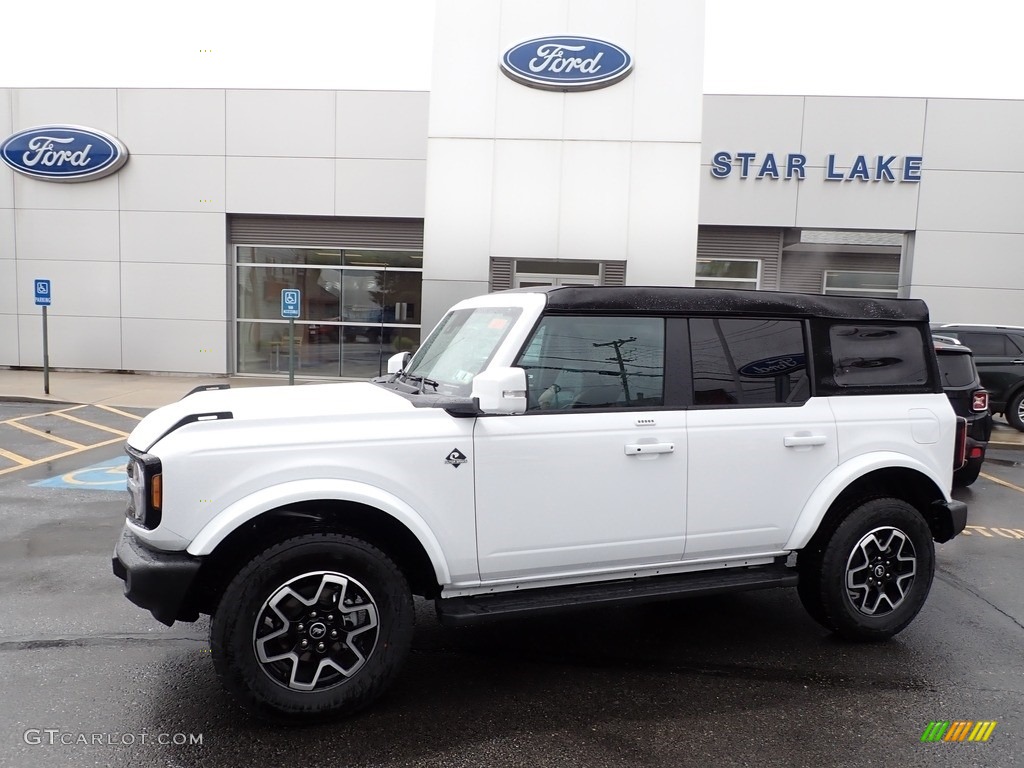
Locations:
{"points": [[29, 399]]}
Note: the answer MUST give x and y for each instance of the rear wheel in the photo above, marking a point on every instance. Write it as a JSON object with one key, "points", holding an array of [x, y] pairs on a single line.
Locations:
{"points": [[874, 572], [1015, 411], [312, 628]]}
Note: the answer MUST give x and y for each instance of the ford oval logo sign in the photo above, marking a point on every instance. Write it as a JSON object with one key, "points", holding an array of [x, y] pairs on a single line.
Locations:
{"points": [[63, 153], [566, 63]]}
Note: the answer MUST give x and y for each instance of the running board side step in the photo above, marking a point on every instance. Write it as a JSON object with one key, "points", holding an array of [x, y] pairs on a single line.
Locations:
{"points": [[458, 611]]}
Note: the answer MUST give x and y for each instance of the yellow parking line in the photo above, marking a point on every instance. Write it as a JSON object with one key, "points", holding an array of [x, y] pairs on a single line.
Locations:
{"points": [[15, 458], [62, 455], [38, 433], [68, 416], [122, 413], [1002, 482]]}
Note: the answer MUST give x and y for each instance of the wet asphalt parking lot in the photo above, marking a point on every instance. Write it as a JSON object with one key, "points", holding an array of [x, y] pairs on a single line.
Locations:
{"points": [[88, 679]]}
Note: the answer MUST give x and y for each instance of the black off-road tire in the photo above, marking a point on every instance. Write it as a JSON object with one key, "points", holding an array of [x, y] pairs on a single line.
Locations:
{"points": [[874, 572], [365, 640], [1015, 411]]}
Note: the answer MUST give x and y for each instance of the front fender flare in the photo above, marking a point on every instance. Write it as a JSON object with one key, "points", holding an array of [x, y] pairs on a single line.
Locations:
{"points": [[839, 479], [293, 492]]}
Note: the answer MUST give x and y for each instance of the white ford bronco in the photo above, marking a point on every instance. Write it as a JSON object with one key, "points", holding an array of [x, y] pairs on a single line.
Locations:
{"points": [[545, 450]]}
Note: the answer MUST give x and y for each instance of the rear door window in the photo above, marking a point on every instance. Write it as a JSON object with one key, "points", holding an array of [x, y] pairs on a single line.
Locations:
{"points": [[877, 355]]}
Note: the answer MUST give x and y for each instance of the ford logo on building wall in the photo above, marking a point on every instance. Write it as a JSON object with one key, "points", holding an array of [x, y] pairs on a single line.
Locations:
{"points": [[566, 63], [63, 153]]}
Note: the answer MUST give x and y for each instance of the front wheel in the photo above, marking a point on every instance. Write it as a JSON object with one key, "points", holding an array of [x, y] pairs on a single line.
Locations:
{"points": [[1015, 411], [312, 628], [874, 572]]}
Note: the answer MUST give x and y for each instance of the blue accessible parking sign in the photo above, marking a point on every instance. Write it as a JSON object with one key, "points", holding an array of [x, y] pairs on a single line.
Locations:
{"points": [[42, 293], [290, 298]]}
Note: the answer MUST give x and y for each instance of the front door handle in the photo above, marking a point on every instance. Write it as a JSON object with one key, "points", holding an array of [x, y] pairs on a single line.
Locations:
{"points": [[634, 449], [798, 441]]}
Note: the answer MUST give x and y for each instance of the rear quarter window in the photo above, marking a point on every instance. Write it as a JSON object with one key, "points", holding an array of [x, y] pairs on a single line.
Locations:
{"points": [[878, 355], [956, 369]]}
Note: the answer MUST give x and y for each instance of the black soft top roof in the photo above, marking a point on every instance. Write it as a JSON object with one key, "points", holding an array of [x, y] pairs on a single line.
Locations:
{"points": [[718, 301]]}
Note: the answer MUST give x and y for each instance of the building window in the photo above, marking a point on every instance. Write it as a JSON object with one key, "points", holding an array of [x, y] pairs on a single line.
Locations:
{"points": [[881, 285], [744, 274], [358, 307], [540, 273]]}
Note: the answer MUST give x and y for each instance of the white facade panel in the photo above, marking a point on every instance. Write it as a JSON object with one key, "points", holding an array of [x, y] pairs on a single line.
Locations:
{"points": [[6, 186], [9, 287], [287, 186], [594, 210], [525, 113], [280, 123], [185, 346], [67, 235], [527, 198], [439, 295], [955, 304], [7, 241], [858, 204], [173, 237], [664, 179], [974, 134], [80, 289], [6, 128], [457, 226], [665, 109], [171, 121], [382, 125], [172, 183], [966, 201], [747, 202], [74, 342], [759, 124], [89, 107], [954, 259], [466, 35], [847, 127], [9, 340], [100, 195], [201, 292], [380, 188]]}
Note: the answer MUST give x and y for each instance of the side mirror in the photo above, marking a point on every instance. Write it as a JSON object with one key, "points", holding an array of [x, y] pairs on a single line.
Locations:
{"points": [[397, 362], [501, 390]]}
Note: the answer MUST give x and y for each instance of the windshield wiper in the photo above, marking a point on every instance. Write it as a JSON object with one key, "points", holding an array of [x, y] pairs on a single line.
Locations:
{"points": [[421, 380]]}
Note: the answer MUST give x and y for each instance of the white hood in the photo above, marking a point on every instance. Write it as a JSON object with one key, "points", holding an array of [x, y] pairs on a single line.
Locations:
{"points": [[283, 402]]}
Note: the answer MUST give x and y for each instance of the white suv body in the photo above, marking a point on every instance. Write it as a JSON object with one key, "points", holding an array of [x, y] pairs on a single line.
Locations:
{"points": [[543, 450]]}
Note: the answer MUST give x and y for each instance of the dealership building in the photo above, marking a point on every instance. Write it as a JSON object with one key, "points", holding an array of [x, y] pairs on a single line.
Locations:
{"points": [[568, 145]]}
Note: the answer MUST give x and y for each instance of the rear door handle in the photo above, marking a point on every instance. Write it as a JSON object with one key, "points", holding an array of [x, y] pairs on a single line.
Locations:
{"points": [[797, 441], [634, 449]]}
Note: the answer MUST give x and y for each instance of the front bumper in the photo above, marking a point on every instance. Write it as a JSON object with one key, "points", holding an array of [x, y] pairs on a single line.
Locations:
{"points": [[155, 580], [948, 519]]}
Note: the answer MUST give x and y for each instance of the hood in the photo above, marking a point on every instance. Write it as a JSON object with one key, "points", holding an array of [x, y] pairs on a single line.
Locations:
{"points": [[281, 402]]}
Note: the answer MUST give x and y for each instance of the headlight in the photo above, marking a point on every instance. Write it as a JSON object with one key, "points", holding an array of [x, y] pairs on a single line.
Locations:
{"points": [[145, 490]]}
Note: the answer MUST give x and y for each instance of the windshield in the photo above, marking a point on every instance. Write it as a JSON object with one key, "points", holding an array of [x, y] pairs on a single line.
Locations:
{"points": [[460, 347]]}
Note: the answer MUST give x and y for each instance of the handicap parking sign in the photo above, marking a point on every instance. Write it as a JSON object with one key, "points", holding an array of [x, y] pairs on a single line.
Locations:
{"points": [[290, 302], [42, 293]]}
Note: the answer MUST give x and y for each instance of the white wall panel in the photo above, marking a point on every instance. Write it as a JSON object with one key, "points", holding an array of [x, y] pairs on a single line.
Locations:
{"points": [[173, 237], [594, 200], [440, 295], [99, 195], [74, 342], [747, 202], [7, 242], [970, 260], [67, 235], [179, 346], [457, 225], [759, 124], [79, 288], [854, 204], [89, 107], [526, 203], [466, 39], [971, 202], [199, 293], [669, 72], [9, 287], [9, 350], [280, 123], [849, 126], [178, 121], [664, 184], [6, 129], [172, 183], [528, 113], [296, 186], [373, 124], [974, 134], [963, 304], [380, 188]]}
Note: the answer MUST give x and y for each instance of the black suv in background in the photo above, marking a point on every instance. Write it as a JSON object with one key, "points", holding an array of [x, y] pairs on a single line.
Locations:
{"points": [[962, 386], [999, 354]]}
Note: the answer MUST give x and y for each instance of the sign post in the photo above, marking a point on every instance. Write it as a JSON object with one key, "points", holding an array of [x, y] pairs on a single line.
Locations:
{"points": [[43, 300], [290, 302]]}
